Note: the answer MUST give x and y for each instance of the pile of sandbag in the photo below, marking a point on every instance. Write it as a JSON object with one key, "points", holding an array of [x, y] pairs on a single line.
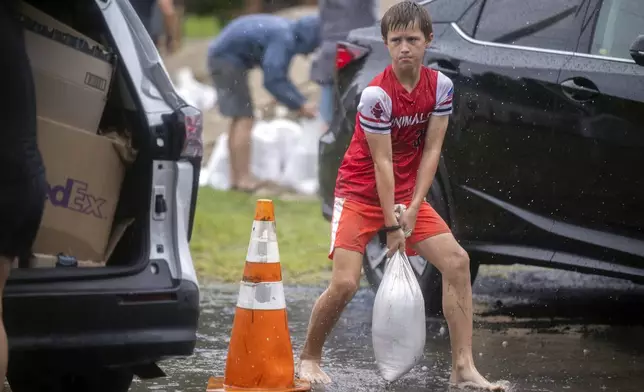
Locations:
{"points": [[283, 152], [195, 93]]}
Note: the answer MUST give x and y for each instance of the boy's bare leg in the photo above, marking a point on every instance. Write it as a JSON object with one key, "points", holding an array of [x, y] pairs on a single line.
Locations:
{"points": [[345, 281], [454, 264], [5, 269]]}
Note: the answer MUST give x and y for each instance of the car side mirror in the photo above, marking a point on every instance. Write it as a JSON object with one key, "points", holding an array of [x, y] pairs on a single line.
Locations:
{"points": [[637, 50]]}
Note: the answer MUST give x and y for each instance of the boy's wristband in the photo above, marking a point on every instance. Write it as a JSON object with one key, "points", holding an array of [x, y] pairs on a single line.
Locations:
{"points": [[389, 229]]}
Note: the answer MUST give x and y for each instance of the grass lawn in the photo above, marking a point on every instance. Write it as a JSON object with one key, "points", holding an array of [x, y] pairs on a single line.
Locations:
{"points": [[200, 26], [222, 230]]}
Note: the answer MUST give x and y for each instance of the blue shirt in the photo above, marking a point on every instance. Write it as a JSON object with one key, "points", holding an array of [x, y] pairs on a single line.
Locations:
{"points": [[270, 42]]}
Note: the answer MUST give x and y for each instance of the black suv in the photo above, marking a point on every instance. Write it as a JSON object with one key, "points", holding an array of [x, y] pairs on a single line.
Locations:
{"points": [[92, 329], [541, 163]]}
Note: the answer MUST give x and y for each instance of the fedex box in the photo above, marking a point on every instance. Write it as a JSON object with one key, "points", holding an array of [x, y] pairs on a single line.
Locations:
{"points": [[37, 15], [72, 73], [84, 175]]}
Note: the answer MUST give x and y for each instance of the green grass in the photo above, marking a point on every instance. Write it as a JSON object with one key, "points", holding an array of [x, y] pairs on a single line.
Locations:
{"points": [[222, 230], [201, 26]]}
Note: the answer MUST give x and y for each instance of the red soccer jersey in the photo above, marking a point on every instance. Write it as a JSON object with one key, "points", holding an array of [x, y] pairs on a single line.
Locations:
{"points": [[387, 108]]}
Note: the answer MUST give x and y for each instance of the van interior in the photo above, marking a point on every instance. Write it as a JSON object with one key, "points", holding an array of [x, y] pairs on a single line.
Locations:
{"points": [[133, 208]]}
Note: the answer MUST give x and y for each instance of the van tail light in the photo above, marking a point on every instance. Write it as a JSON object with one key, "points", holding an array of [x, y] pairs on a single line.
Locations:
{"points": [[346, 53], [192, 120]]}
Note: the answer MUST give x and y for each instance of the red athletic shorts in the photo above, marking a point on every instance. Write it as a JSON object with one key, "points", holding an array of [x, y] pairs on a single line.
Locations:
{"points": [[354, 224]]}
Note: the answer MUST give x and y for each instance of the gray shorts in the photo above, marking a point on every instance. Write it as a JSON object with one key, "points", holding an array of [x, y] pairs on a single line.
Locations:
{"points": [[231, 84]]}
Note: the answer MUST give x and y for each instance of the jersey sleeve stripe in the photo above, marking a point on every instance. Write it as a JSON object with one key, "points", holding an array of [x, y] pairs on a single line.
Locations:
{"points": [[373, 120], [444, 96], [442, 112], [374, 129], [375, 124]]}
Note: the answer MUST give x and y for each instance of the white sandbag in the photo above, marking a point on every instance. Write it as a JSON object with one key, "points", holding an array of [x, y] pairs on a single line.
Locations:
{"points": [[398, 324], [290, 135], [266, 157], [217, 172], [266, 150], [195, 93], [282, 151], [301, 166]]}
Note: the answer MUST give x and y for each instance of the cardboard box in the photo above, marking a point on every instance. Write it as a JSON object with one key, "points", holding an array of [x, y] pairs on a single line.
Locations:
{"points": [[72, 73], [50, 261], [49, 21], [84, 174]]}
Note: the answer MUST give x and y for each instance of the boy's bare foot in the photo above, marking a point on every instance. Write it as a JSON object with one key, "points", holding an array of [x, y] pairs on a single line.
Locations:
{"points": [[470, 378], [310, 370]]}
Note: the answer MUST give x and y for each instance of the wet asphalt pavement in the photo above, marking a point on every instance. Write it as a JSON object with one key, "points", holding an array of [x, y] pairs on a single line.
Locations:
{"points": [[541, 330]]}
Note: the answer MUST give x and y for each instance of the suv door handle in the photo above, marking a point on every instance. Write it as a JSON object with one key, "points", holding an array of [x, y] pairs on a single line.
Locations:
{"points": [[578, 92], [446, 67]]}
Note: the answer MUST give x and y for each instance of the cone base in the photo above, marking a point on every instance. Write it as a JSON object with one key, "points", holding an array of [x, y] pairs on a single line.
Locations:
{"points": [[216, 384]]}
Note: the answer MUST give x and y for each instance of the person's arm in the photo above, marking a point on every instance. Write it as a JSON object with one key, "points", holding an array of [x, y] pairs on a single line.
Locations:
{"points": [[275, 65], [436, 129], [374, 115], [170, 21]]}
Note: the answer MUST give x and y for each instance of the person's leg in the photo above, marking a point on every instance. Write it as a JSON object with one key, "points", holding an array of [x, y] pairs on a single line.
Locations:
{"points": [[240, 138], [345, 281], [326, 103], [5, 269], [353, 225], [156, 26], [21, 208], [434, 242], [234, 101], [179, 9], [240, 148]]}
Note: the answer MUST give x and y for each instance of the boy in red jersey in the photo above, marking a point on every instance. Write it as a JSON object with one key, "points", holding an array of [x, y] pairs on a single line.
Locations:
{"points": [[393, 156]]}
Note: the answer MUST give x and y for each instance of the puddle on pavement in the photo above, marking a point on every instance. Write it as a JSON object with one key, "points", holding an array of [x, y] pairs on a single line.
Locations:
{"points": [[536, 352]]}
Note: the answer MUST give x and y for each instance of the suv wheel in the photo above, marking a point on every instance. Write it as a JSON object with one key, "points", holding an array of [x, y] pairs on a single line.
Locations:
{"points": [[101, 380], [428, 276]]}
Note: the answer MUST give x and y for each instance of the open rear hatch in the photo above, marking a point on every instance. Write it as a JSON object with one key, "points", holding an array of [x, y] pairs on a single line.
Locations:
{"points": [[94, 140]]}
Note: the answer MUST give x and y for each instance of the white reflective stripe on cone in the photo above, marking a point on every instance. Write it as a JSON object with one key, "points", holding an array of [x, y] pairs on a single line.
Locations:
{"points": [[262, 247], [261, 296]]}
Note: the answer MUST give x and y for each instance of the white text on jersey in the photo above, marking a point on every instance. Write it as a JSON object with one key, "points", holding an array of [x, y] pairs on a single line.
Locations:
{"points": [[408, 121]]}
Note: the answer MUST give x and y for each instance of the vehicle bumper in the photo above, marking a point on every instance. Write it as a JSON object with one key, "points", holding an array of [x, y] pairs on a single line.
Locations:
{"points": [[105, 329]]}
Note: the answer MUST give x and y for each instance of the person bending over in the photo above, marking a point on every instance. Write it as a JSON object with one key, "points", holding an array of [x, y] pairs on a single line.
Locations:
{"points": [[269, 42]]}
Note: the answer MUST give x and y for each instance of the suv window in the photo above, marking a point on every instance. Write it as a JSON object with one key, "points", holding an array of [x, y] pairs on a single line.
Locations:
{"points": [[470, 18], [446, 11], [547, 24], [619, 23]]}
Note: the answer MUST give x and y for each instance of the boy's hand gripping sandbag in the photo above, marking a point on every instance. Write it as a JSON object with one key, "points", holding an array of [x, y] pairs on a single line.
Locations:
{"points": [[398, 325]]}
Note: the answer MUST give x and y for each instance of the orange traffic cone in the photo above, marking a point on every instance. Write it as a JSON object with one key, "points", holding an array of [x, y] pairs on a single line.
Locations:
{"points": [[260, 355]]}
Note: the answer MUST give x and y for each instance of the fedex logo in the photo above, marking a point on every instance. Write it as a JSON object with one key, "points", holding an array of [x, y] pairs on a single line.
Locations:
{"points": [[73, 195]]}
